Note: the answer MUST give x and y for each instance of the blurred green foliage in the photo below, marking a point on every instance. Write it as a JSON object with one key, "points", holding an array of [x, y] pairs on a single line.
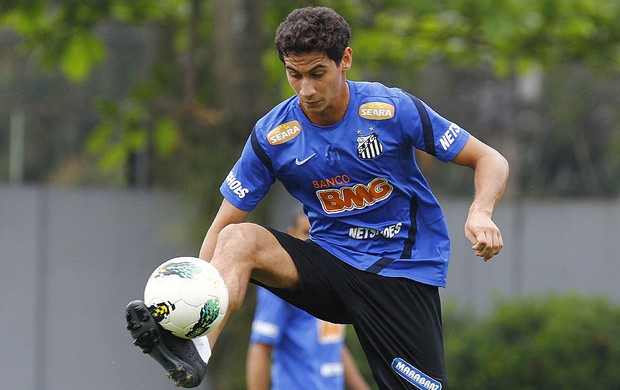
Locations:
{"points": [[163, 94], [182, 89], [556, 342], [174, 99], [551, 342]]}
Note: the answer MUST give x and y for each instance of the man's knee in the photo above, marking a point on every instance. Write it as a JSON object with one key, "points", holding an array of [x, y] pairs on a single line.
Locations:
{"points": [[240, 239]]}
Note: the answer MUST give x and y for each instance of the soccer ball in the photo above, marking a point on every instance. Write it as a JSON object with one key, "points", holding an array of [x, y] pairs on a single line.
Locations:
{"points": [[187, 296]]}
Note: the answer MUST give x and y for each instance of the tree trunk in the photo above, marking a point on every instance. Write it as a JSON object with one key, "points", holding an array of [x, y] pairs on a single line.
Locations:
{"points": [[236, 61]]}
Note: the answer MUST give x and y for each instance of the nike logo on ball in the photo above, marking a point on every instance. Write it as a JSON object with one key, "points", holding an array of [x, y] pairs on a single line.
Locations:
{"points": [[305, 160]]}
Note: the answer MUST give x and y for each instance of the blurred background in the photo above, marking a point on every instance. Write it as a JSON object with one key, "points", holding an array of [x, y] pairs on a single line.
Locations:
{"points": [[119, 120]]}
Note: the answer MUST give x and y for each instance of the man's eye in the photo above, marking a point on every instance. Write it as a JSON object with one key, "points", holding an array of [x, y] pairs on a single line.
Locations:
{"points": [[318, 75]]}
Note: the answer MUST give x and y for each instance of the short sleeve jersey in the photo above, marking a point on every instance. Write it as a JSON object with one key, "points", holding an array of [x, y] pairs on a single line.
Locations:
{"points": [[307, 352], [367, 200]]}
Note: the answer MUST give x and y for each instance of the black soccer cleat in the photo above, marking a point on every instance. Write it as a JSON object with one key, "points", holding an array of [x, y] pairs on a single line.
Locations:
{"points": [[178, 356]]}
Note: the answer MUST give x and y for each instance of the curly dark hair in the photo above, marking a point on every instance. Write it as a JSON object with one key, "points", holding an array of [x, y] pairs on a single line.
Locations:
{"points": [[312, 29]]}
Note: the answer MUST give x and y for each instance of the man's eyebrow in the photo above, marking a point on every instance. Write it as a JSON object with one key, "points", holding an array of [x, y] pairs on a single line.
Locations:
{"points": [[319, 66]]}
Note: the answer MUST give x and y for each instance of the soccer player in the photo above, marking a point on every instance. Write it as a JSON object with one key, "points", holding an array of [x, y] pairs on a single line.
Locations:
{"points": [[290, 349], [379, 247]]}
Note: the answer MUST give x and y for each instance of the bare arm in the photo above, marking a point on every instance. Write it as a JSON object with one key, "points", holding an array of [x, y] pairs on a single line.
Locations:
{"points": [[490, 176], [258, 366], [352, 376], [226, 215]]}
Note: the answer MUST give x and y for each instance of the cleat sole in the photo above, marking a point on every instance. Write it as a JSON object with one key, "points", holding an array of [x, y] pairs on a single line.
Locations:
{"points": [[165, 348]]}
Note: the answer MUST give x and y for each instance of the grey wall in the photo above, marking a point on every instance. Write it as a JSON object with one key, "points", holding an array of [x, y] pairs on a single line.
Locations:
{"points": [[550, 247], [70, 260]]}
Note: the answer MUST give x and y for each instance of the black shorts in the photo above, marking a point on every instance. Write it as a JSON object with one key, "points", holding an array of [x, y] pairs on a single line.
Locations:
{"points": [[397, 320]]}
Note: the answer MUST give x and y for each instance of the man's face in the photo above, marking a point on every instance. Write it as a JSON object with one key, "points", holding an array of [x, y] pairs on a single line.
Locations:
{"points": [[320, 85]]}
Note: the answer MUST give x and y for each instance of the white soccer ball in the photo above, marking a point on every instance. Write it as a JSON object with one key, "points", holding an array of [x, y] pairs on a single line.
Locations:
{"points": [[187, 296]]}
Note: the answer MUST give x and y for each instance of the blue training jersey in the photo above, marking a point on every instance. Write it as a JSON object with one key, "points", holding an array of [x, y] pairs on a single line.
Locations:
{"points": [[366, 199], [307, 352]]}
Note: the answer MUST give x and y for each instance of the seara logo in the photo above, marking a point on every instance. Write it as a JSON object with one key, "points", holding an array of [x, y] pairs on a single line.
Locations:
{"points": [[376, 110], [337, 200], [284, 133]]}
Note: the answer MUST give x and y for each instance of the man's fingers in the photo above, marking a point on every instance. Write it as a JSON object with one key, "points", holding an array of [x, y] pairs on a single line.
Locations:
{"points": [[488, 244], [485, 236]]}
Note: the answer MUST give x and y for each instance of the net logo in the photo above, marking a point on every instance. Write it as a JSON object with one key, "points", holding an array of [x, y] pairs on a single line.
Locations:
{"points": [[363, 233], [359, 196], [449, 136]]}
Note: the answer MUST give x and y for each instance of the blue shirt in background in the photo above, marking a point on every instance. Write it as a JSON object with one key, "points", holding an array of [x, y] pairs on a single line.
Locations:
{"points": [[307, 351]]}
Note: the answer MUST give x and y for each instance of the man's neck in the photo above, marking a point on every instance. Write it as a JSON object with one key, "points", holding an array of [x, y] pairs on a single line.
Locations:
{"points": [[333, 114]]}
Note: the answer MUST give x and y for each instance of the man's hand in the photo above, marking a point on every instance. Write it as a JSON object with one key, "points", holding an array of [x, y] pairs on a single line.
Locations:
{"points": [[485, 236], [490, 176]]}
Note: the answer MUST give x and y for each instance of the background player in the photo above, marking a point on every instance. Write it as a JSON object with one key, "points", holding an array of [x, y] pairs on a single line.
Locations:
{"points": [[290, 349]]}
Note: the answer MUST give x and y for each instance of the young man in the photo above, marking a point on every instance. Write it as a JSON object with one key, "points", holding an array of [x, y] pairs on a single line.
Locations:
{"points": [[379, 247], [290, 349]]}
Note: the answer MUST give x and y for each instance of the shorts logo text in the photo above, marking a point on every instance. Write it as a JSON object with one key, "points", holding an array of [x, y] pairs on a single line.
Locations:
{"points": [[415, 376], [337, 200]]}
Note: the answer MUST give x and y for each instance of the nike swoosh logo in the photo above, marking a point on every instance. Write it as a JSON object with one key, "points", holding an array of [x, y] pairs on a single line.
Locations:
{"points": [[305, 160]]}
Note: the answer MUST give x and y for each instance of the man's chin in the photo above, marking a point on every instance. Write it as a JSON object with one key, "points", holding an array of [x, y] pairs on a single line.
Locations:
{"points": [[313, 107]]}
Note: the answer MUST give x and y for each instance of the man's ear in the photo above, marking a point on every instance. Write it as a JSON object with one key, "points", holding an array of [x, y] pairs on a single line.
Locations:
{"points": [[347, 59]]}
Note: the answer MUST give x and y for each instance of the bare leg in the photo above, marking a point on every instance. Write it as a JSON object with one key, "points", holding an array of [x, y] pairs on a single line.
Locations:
{"points": [[248, 250]]}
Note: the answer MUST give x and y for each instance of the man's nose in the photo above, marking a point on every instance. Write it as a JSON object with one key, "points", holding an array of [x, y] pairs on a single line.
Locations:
{"points": [[307, 87]]}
